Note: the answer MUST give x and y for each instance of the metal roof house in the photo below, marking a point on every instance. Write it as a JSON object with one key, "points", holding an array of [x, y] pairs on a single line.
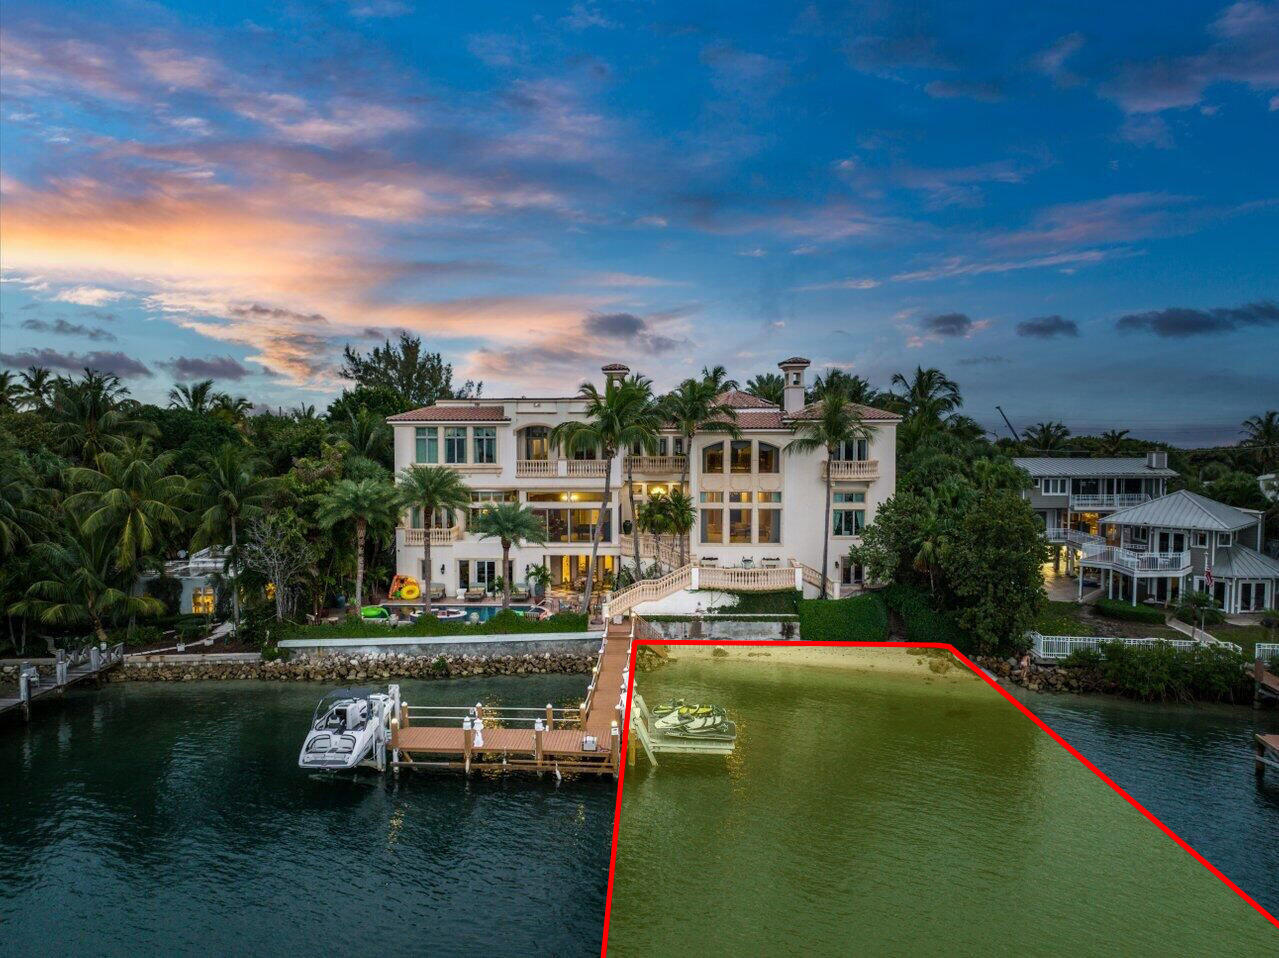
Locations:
{"points": [[1160, 548], [1076, 492]]}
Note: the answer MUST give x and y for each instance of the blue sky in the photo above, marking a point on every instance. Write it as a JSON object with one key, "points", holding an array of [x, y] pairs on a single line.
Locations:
{"points": [[1071, 210]]}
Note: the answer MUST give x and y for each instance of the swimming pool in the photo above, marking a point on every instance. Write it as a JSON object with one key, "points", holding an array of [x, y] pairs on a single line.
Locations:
{"points": [[485, 612]]}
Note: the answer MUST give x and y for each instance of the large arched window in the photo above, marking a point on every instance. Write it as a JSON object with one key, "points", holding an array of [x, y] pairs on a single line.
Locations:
{"points": [[768, 457]]}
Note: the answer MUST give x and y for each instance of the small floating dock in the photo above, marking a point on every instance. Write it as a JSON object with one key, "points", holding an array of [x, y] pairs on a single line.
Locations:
{"points": [[1267, 747], [645, 737], [583, 739], [88, 664]]}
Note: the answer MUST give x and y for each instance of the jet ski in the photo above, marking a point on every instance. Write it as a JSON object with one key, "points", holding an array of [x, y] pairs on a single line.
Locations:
{"points": [[697, 721], [347, 726], [666, 708]]}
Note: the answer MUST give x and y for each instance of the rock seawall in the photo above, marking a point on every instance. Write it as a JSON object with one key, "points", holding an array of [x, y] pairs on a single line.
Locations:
{"points": [[359, 668], [1042, 678]]}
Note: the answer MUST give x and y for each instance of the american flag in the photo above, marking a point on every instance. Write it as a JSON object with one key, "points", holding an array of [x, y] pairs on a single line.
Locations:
{"points": [[1208, 578]]}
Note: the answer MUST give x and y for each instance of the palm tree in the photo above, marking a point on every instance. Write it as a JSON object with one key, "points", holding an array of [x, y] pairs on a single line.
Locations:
{"points": [[133, 498], [695, 406], [198, 398], [653, 518], [1112, 442], [928, 394], [90, 416], [651, 417], [20, 514], [1262, 434], [616, 419], [539, 579], [230, 409], [1045, 436], [367, 502], [37, 388], [303, 412], [368, 436], [10, 390], [767, 386], [931, 545], [512, 525], [717, 376], [837, 422], [853, 388], [230, 490], [82, 586], [432, 489], [680, 516]]}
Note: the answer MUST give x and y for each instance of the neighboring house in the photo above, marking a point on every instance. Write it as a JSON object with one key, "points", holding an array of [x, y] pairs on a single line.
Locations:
{"points": [[1160, 549], [757, 505], [1077, 493], [197, 573]]}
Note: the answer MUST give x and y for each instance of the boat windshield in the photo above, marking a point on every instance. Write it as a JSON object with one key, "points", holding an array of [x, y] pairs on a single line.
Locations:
{"points": [[324, 715]]}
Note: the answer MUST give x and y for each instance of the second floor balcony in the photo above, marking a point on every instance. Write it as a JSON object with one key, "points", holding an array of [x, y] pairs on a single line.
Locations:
{"points": [[847, 469], [439, 535], [560, 468], [657, 465], [1084, 502]]}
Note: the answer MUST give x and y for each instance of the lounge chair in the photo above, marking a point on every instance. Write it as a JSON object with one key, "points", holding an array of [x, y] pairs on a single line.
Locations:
{"points": [[438, 591], [475, 595], [520, 594]]}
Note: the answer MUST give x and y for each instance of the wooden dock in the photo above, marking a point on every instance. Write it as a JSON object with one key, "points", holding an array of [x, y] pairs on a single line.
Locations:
{"points": [[1267, 682], [88, 664], [586, 738], [1267, 747]]}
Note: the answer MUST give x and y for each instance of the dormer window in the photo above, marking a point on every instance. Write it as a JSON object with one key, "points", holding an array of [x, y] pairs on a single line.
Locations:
{"points": [[1225, 538]]}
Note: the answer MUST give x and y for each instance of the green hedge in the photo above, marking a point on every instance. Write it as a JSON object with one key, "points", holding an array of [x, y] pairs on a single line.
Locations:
{"points": [[861, 618], [1163, 672], [921, 621], [1118, 609], [504, 623], [781, 602]]}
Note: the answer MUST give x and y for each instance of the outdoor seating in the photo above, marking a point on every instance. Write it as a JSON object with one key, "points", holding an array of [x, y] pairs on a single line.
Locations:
{"points": [[520, 594], [474, 595], [437, 590]]}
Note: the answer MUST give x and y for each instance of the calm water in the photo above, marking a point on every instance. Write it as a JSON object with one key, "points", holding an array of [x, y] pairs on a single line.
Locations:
{"points": [[938, 821], [173, 819]]}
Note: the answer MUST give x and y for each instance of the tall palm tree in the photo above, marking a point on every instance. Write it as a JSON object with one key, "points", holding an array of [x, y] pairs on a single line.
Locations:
{"points": [[10, 390], [366, 503], [81, 585], [695, 406], [432, 489], [134, 498], [1046, 436], [769, 387], [20, 512], [653, 518], [230, 490], [368, 436], [928, 394], [717, 376], [37, 388], [198, 398], [1112, 442], [91, 415], [837, 421], [616, 419], [231, 409], [1262, 434], [651, 416], [512, 525], [680, 516]]}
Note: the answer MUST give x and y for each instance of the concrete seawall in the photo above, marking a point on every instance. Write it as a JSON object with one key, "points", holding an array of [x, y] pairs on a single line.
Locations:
{"points": [[431, 646]]}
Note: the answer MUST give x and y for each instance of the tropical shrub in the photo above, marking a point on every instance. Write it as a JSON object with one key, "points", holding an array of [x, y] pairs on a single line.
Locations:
{"points": [[1163, 672], [860, 618], [1118, 609], [921, 621]]}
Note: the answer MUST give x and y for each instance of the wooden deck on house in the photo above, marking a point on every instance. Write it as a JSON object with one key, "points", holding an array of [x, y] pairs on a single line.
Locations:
{"points": [[582, 739]]}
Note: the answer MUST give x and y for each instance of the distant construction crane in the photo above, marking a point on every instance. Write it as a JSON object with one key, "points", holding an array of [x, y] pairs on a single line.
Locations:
{"points": [[1016, 437]]}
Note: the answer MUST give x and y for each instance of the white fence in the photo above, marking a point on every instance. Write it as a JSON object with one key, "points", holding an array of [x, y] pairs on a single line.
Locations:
{"points": [[1053, 647], [1268, 652]]}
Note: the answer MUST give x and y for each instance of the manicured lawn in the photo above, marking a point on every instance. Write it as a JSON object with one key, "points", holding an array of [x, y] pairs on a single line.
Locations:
{"points": [[1244, 636], [1070, 618]]}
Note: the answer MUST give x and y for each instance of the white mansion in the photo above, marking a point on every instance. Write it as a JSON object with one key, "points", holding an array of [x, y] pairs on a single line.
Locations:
{"points": [[758, 505]]}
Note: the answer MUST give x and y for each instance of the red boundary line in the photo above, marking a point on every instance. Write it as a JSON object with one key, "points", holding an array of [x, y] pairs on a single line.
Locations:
{"points": [[977, 670]]}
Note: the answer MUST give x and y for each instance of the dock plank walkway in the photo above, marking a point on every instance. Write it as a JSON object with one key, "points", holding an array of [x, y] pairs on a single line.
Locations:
{"points": [[84, 665], [556, 747]]}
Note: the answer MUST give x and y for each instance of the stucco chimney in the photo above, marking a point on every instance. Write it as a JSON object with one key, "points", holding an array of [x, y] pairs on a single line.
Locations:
{"points": [[793, 377], [615, 371]]}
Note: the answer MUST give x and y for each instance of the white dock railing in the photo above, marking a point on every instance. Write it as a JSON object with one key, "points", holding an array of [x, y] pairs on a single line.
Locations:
{"points": [[1268, 652]]}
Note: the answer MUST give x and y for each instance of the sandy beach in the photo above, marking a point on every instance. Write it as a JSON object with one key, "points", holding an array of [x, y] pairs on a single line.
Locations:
{"points": [[929, 663]]}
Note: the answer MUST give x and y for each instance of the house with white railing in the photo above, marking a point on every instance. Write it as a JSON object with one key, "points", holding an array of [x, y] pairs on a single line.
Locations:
{"points": [[758, 506], [1075, 493]]}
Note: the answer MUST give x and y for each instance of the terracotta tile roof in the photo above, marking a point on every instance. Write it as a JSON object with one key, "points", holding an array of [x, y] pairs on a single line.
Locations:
{"points": [[760, 419], [616, 368], [452, 414], [743, 400], [795, 361], [869, 413]]}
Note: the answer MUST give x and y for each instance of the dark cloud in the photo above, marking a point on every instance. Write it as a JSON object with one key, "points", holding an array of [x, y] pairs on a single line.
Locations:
{"points": [[625, 325], [1048, 327], [215, 367], [258, 311], [60, 327], [984, 360], [948, 324], [1178, 322], [126, 367]]}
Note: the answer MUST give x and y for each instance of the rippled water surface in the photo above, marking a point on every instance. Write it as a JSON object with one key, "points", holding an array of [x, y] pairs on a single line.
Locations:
{"points": [[149, 819], [872, 814]]}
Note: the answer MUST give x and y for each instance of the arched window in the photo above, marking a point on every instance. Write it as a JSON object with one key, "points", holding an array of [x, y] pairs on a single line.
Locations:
{"points": [[768, 457], [713, 458]]}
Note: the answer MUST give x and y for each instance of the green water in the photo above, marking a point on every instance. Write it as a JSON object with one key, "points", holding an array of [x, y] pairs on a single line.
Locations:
{"points": [[864, 813], [172, 819]]}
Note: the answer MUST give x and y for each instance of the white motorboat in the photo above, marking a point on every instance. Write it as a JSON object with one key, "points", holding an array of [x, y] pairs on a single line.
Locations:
{"points": [[350, 728]]}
